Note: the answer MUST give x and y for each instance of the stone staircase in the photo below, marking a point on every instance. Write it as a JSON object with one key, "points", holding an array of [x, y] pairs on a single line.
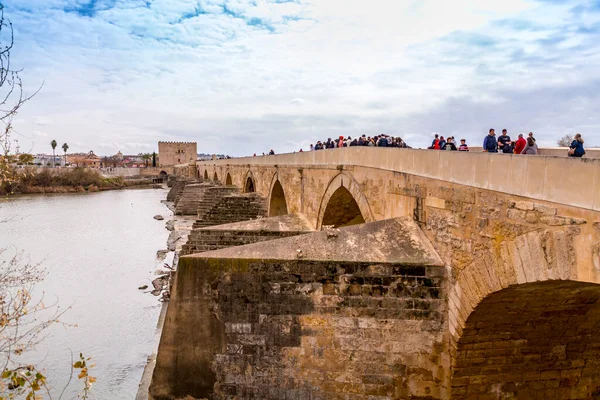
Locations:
{"points": [[233, 208], [211, 197], [247, 232], [176, 189], [206, 239], [190, 198]]}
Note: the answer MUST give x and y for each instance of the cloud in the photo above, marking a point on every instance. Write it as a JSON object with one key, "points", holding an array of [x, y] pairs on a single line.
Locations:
{"points": [[123, 74]]}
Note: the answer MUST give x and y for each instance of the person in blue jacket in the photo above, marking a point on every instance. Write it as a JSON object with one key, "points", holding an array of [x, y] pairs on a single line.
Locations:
{"points": [[490, 144], [577, 146]]}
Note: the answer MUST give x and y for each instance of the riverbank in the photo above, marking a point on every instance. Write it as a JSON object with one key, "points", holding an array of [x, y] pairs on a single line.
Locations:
{"points": [[179, 228], [76, 180]]}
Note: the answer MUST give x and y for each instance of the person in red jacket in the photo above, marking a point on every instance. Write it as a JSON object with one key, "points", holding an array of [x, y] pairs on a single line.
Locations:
{"points": [[520, 144]]}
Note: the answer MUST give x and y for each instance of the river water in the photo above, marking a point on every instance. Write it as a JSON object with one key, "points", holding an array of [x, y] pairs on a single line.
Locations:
{"points": [[97, 249]]}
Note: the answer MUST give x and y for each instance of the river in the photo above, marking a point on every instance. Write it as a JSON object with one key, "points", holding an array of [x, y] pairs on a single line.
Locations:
{"points": [[97, 249]]}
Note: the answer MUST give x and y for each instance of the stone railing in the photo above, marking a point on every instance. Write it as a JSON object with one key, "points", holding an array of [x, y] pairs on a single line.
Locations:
{"points": [[564, 180]]}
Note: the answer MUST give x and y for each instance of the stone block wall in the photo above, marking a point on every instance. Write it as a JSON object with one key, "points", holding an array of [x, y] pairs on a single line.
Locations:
{"points": [[548, 347], [190, 198], [174, 153], [176, 189], [248, 329], [206, 239], [234, 208], [211, 197]]}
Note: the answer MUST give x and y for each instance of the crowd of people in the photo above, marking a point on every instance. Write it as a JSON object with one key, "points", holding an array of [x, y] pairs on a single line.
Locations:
{"points": [[491, 144], [364, 140], [504, 144], [439, 143]]}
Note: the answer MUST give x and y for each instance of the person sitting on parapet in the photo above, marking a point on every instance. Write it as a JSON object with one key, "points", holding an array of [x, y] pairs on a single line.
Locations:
{"points": [[490, 144], [463, 145], [271, 153], [530, 147]]}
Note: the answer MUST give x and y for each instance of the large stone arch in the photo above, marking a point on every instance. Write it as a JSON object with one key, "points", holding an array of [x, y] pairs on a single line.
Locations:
{"points": [[537, 255], [228, 180], [342, 189], [500, 295], [249, 183], [277, 200], [215, 176], [206, 174], [530, 341]]}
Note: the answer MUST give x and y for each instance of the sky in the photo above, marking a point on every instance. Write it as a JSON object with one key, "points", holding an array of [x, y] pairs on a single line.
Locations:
{"points": [[244, 76]]}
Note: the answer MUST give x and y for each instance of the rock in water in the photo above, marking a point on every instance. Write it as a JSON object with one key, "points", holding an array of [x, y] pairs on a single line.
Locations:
{"points": [[159, 217]]}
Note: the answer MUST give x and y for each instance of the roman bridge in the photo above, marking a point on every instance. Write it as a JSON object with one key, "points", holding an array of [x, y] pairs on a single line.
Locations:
{"points": [[396, 274]]}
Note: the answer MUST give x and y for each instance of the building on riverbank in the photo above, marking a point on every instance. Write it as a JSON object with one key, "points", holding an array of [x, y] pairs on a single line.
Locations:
{"points": [[173, 153]]}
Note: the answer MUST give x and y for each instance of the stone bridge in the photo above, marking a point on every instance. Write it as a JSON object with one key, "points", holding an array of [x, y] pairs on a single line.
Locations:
{"points": [[413, 274]]}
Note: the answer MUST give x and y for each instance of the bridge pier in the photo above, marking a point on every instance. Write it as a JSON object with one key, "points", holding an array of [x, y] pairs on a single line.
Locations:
{"points": [[513, 312], [348, 313]]}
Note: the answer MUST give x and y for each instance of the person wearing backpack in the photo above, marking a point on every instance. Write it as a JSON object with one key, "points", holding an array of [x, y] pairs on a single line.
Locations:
{"points": [[576, 148]]}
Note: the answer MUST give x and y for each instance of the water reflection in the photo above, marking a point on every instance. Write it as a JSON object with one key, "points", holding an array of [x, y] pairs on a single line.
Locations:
{"points": [[97, 249]]}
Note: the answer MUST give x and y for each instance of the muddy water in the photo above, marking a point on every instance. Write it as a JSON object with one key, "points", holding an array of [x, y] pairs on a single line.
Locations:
{"points": [[97, 248]]}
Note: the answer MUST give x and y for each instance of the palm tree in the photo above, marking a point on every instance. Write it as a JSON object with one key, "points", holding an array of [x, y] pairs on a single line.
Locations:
{"points": [[53, 144], [65, 147], [146, 157]]}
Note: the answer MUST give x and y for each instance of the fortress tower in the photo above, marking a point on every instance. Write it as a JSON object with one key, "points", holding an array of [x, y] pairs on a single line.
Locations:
{"points": [[173, 153]]}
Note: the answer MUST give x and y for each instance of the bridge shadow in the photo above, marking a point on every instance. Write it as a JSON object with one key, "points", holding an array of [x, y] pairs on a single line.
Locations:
{"points": [[531, 340]]}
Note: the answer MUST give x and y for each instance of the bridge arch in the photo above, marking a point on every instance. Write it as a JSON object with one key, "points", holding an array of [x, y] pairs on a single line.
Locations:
{"points": [[215, 177], [343, 203], [531, 337], [163, 175], [515, 315], [228, 180], [249, 183], [206, 174], [197, 172], [277, 201]]}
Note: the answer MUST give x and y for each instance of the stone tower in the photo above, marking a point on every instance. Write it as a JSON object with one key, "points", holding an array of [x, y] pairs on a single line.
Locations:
{"points": [[174, 153]]}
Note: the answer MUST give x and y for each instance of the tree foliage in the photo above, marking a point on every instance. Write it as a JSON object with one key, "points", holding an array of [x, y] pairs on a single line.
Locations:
{"points": [[565, 141], [23, 320]]}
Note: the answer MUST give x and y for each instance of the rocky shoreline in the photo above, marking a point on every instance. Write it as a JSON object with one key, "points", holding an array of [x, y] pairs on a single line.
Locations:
{"points": [[179, 228]]}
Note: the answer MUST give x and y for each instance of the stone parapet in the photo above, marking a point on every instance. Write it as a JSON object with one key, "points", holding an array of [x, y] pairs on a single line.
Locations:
{"points": [[555, 179]]}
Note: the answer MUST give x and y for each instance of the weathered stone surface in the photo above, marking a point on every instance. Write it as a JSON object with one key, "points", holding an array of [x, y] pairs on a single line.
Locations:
{"points": [[547, 350], [251, 324], [233, 208], [191, 198], [396, 240], [247, 232], [488, 244]]}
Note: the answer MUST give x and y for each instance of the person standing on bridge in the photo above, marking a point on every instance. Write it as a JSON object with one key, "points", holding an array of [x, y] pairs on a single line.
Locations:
{"points": [[504, 143], [490, 144], [520, 144]]}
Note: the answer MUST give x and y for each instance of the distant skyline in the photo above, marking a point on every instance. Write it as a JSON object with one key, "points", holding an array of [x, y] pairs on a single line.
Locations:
{"points": [[244, 76]]}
